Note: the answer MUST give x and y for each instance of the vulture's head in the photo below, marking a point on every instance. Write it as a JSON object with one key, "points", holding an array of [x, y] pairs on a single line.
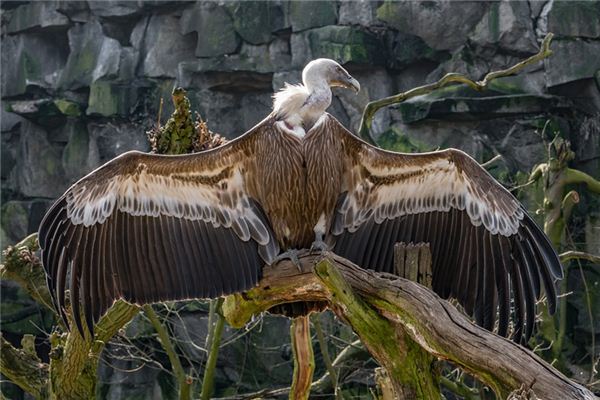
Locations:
{"points": [[333, 73]]}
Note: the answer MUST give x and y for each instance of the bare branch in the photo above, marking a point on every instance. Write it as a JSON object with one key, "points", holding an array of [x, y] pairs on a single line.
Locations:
{"points": [[24, 369], [448, 79]]}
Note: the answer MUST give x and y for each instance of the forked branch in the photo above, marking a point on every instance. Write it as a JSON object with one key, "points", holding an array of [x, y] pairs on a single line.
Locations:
{"points": [[410, 310]]}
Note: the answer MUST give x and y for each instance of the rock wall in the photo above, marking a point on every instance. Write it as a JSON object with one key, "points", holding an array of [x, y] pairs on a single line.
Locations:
{"points": [[82, 81]]}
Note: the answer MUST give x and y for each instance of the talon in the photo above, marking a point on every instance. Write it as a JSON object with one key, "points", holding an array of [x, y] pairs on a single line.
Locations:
{"points": [[292, 255], [318, 245]]}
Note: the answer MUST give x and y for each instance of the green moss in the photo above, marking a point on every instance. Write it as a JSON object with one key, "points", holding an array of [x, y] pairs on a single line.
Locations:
{"points": [[345, 44], [494, 21], [394, 139], [108, 98], [67, 107], [177, 136], [15, 218], [76, 151]]}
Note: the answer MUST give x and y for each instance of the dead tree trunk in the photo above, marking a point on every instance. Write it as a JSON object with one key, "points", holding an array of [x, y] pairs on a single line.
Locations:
{"points": [[380, 309]]}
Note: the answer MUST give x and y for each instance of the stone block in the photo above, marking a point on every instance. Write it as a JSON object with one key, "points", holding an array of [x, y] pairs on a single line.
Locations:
{"points": [[443, 25], [572, 60], [39, 171], [111, 99], [305, 15], [230, 114], [507, 24], [114, 8], [457, 102], [30, 60], [161, 45], [8, 120], [214, 27], [15, 219], [404, 50], [575, 19], [36, 16], [77, 11], [255, 21], [341, 43], [93, 56], [361, 12], [110, 139], [75, 155]]}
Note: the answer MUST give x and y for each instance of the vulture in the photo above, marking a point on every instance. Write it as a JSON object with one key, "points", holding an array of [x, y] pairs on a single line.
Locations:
{"points": [[150, 228]]}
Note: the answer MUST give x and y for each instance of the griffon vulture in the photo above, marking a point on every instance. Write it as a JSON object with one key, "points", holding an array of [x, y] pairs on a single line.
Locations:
{"points": [[149, 228]]}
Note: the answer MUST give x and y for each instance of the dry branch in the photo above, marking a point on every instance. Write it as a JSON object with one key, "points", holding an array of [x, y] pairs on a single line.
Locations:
{"points": [[448, 79], [411, 309]]}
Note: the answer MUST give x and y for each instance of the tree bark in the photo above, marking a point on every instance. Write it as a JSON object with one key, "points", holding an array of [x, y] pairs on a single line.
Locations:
{"points": [[404, 310], [304, 360]]}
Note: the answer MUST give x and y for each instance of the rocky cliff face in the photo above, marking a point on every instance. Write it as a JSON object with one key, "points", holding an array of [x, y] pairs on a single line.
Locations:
{"points": [[82, 81]]}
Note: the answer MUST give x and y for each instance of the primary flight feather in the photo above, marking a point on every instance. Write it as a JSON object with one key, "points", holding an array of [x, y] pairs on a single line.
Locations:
{"points": [[150, 228]]}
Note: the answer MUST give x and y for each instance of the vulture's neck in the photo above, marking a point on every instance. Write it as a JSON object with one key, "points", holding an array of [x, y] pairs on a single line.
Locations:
{"points": [[299, 107]]}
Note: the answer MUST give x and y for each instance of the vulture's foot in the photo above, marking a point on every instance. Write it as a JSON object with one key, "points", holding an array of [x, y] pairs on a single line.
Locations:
{"points": [[318, 246], [292, 255]]}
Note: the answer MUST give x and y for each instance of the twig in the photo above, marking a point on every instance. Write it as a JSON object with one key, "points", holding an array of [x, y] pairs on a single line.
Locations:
{"points": [[326, 358], [578, 255], [450, 78], [165, 340], [213, 341]]}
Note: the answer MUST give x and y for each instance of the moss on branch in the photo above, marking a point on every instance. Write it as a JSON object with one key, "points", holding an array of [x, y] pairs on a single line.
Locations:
{"points": [[391, 307], [448, 79]]}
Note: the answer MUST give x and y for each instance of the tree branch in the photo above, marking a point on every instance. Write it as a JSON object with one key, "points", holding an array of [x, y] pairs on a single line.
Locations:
{"points": [[450, 78], [578, 255], [22, 266], [213, 341], [432, 323], [24, 369], [304, 360], [165, 340]]}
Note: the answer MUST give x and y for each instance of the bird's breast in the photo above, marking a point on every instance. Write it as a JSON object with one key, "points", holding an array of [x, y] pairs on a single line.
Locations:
{"points": [[296, 181]]}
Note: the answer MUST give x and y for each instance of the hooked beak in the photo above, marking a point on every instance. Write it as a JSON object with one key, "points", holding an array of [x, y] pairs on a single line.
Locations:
{"points": [[347, 82]]}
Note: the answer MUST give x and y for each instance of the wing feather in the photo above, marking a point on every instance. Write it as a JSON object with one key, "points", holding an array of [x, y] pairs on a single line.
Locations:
{"points": [[486, 249], [148, 228]]}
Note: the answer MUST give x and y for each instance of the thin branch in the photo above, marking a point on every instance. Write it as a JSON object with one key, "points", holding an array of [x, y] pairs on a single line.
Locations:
{"points": [[578, 255], [213, 342], [326, 357], [450, 78], [573, 176], [165, 340]]}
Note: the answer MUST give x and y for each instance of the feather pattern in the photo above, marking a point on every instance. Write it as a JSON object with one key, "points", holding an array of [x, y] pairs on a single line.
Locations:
{"points": [[149, 228], [485, 249]]}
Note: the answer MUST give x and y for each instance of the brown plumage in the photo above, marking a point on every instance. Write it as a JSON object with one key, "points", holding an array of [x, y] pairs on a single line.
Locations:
{"points": [[149, 228]]}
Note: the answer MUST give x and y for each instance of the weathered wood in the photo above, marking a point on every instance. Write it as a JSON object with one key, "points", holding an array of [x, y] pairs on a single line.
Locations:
{"points": [[413, 262], [407, 363], [24, 368], [431, 322], [304, 360]]}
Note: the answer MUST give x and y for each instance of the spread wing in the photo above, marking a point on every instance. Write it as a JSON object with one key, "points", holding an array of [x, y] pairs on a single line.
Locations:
{"points": [[149, 228], [487, 252]]}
